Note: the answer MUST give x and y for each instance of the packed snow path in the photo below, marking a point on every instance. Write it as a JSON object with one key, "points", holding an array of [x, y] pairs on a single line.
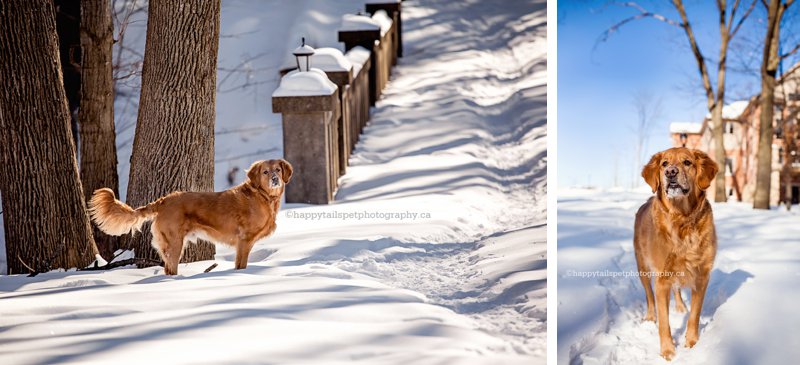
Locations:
{"points": [[749, 315], [446, 265]]}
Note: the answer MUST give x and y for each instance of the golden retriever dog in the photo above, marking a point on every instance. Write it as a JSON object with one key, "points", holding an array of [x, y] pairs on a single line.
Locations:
{"points": [[674, 237], [238, 217]]}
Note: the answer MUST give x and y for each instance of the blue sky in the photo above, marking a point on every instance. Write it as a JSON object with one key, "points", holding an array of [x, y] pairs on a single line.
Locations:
{"points": [[596, 85]]}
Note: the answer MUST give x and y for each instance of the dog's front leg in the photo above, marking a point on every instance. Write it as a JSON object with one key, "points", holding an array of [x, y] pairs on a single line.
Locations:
{"points": [[663, 286], [698, 294], [242, 253]]}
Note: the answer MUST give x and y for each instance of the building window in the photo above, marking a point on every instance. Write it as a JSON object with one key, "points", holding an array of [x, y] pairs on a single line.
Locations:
{"points": [[728, 167], [729, 128], [780, 155]]}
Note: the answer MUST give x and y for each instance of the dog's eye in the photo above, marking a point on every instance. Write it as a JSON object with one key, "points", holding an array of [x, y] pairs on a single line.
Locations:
{"points": [[664, 164], [278, 169], [687, 162], [266, 172]]}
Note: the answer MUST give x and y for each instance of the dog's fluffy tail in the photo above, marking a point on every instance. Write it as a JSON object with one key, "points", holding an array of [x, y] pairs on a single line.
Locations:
{"points": [[115, 217]]}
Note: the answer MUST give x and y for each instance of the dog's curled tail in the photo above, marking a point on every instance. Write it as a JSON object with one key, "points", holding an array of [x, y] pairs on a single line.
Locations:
{"points": [[115, 217]]}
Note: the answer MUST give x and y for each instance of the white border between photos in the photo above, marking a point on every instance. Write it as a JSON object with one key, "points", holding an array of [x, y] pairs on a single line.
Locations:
{"points": [[552, 164]]}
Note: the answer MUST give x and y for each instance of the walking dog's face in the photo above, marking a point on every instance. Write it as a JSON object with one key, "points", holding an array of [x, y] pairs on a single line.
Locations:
{"points": [[679, 172], [270, 175]]}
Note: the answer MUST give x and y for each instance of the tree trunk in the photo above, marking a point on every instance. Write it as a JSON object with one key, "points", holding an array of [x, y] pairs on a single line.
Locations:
{"points": [[44, 212], [173, 148], [769, 67], [720, 193], [98, 150], [718, 131], [68, 27]]}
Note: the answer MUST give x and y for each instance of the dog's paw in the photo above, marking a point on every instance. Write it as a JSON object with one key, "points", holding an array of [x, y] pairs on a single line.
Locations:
{"points": [[668, 353], [690, 341], [680, 308], [650, 317]]}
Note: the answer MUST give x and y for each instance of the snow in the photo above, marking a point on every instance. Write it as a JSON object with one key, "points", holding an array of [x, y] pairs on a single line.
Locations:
{"points": [[357, 56], [383, 19], [684, 127], [304, 50], [330, 59], [749, 313], [351, 22], [733, 110], [433, 252], [300, 83]]}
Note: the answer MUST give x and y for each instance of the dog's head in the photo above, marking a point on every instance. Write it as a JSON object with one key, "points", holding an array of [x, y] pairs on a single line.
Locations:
{"points": [[270, 175], [680, 172]]}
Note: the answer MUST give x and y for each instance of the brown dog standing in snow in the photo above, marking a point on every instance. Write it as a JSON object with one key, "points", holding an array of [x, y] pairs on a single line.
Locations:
{"points": [[674, 237], [237, 217]]}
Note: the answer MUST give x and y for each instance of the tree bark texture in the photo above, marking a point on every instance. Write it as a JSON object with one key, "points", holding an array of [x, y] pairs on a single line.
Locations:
{"points": [[98, 150], [173, 148], [769, 68], [68, 27], [45, 217]]}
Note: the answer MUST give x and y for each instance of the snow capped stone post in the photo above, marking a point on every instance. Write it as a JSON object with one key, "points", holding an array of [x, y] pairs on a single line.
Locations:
{"points": [[358, 95], [360, 30], [393, 9], [340, 72], [309, 104], [385, 48]]}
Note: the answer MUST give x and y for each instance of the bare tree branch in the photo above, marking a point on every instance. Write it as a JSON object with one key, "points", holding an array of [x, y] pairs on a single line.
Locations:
{"points": [[643, 13], [741, 20], [791, 52]]}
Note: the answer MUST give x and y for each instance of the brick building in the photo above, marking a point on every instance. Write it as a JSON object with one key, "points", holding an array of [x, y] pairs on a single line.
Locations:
{"points": [[741, 134]]}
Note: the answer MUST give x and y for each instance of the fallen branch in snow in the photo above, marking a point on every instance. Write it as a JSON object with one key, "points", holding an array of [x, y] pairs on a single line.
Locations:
{"points": [[33, 272], [121, 263], [210, 268]]}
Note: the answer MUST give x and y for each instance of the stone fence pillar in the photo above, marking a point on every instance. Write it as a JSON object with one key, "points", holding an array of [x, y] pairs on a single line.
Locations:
{"points": [[359, 30], [393, 8], [309, 103], [358, 92], [385, 48], [340, 71]]}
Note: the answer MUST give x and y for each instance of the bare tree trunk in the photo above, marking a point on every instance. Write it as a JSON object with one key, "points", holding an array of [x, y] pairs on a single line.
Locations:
{"points": [[769, 68], [68, 27], [173, 148], [98, 148], [718, 131], [44, 212]]}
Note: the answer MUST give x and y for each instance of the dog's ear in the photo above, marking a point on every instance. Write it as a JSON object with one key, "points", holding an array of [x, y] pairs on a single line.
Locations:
{"points": [[254, 172], [286, 171], [707, 169], [650, 172]]}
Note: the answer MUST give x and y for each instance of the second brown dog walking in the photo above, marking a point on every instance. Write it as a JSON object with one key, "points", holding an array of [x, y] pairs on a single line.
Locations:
{"points": [[237, 217]]}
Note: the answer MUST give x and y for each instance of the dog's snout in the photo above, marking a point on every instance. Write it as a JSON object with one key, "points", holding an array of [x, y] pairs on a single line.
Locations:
{"points": [[671, 172]]}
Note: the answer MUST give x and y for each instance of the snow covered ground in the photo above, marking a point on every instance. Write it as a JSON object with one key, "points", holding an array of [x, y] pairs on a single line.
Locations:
{"points": [[749, 315], [434, 252]]}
